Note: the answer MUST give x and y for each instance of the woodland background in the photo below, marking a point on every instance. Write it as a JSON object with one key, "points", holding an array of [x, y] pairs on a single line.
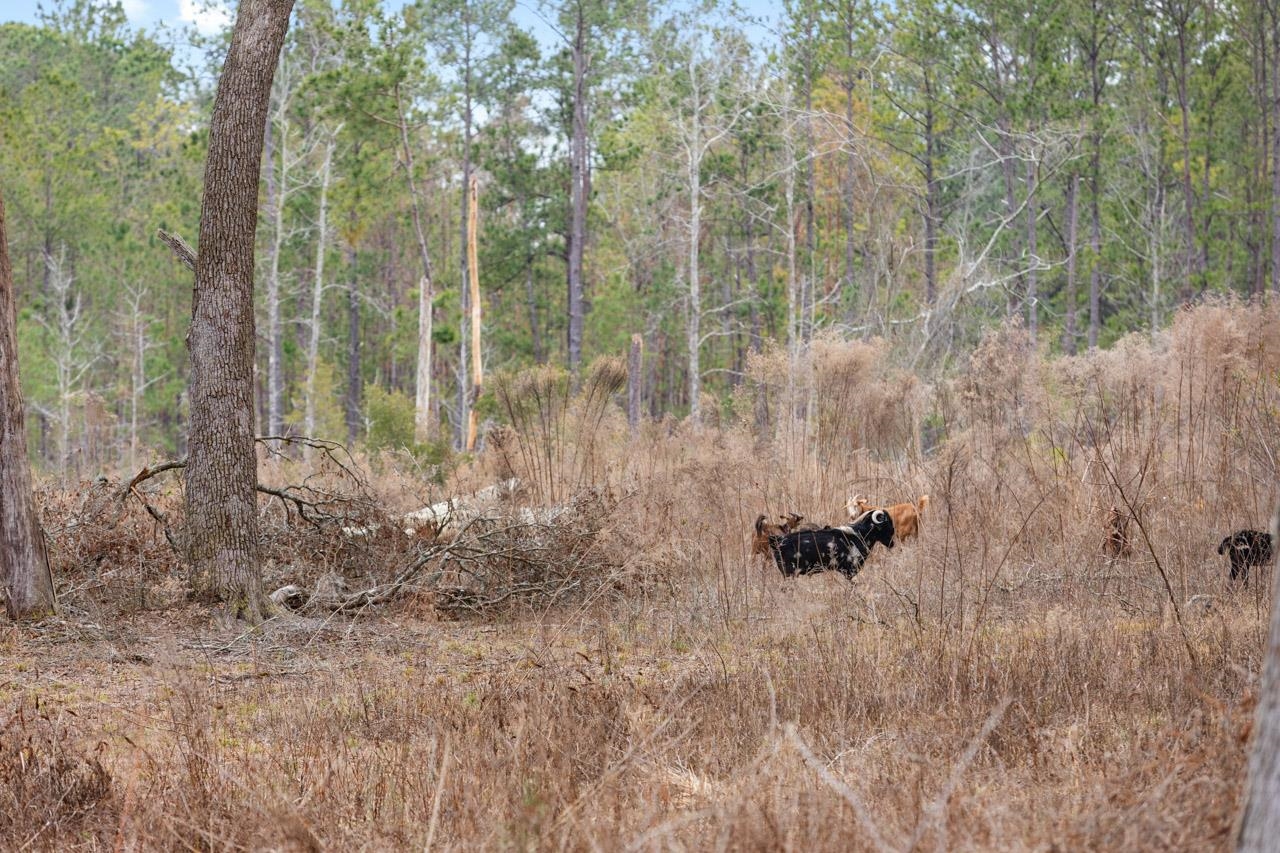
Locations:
{"points": [[914, 171]]}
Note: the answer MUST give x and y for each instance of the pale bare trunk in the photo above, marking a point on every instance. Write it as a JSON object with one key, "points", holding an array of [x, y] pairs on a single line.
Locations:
{"points": [[317, 291], [422, 425], [277, 195]]}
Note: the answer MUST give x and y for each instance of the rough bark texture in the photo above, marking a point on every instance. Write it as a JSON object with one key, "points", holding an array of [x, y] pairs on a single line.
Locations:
{"points": [[1260, 820], [1275, 148], [1072, 300], [24, 566], [355, 388], [578, 179], [473, 288], [1033, 295], [221, 474], [634, 381], [465, 439]]}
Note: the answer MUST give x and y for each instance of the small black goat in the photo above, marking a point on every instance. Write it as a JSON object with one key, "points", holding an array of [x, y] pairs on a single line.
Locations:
{"points": [[841, 548], [1248, 548]]}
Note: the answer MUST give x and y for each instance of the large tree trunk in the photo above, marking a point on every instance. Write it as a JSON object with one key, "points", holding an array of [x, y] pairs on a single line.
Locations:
{"points": [[578, 180], [24, 565], [221, 472], [1260, 819]]}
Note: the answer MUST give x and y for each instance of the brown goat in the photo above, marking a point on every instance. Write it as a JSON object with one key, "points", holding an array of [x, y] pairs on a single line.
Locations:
{"points": [[790, 522], [906, 516], [1117, 543]]}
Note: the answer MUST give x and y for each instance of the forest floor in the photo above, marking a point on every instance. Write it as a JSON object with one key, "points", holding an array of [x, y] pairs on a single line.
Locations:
{"points": [[786, 714]]}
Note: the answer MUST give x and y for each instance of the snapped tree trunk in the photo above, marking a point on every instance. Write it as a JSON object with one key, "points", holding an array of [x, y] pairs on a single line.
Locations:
{"points": [[221, 472], [24, 565]]}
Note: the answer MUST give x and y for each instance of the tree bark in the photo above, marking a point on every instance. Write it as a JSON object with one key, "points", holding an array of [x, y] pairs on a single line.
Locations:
{"points": [[634, 382], [317, 292], [473, 287], [693, 170], [1260, 818], [1275, 147], [24, 564], [422, 421], [277, 194], [221, 474], [464, 436], [1033, 307], [1073, 218], [354, 389], [578, 180]]}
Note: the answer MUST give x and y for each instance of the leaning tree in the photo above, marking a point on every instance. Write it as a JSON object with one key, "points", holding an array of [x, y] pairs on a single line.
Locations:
{"points": [[221, 470]]}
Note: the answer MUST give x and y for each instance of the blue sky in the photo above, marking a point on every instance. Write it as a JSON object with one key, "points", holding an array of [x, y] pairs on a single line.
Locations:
{"points": [[208, 15]]}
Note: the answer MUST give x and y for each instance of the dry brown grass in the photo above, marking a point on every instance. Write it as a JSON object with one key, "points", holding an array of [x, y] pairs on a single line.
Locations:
{"points": [[999, 683]]}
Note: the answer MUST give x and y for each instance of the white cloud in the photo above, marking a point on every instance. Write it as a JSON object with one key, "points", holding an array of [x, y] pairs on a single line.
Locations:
{"points": [[135, 10], [208, 16]]}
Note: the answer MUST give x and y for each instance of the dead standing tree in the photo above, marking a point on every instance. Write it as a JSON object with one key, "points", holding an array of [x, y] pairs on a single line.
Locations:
{"points": [[221, 473], [24, 565]]}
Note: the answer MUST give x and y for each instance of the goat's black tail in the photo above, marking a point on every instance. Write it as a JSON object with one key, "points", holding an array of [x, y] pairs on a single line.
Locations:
{"points": [[1222, 549]]}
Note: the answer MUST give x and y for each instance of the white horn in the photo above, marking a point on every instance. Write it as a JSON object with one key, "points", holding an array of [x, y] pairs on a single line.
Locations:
{"points": [[878, 517]]}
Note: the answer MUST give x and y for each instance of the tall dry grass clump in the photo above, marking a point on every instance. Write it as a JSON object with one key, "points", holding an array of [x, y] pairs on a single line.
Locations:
{"points": [[556, 430]]}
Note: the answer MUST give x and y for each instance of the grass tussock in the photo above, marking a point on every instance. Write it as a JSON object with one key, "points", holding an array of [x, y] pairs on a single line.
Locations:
{"points": [[1003, 682]]}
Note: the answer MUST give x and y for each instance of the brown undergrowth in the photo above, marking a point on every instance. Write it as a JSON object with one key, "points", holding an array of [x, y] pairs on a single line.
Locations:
{"points": [[1000, 683]]}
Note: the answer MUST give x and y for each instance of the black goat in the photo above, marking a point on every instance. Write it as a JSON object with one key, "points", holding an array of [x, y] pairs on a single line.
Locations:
{"points": [[1248, 548], [841, 548]]}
